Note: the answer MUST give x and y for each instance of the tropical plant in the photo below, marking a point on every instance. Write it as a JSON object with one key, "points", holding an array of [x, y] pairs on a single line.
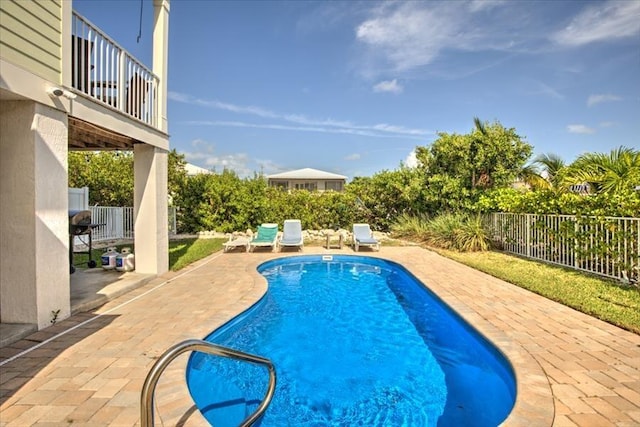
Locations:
{"points": [[530, 175], [448, 231], [553, 171], [457, 168], [608, 173], [387, 195], [472, 235], [410, 226]]}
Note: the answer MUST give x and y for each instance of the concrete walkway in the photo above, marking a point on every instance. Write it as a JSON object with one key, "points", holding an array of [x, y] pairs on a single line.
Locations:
{"points": [[88, 370]]}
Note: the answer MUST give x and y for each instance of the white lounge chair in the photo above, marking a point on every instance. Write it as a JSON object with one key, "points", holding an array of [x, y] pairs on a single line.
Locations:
{"points": [[267, 236], [362, 236], [236, 241], [291, 234]]}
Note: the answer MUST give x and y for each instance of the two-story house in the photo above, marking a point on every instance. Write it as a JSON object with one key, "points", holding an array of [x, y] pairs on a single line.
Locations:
{"points": [[65, 85]]}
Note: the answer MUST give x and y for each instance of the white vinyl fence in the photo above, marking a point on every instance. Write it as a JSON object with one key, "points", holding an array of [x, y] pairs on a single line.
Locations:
{"points": [[118, 222], [607, 246]]}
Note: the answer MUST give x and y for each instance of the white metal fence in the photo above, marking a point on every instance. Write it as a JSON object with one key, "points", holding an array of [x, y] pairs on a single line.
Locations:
{"points": [[118, 222], [607, 246]]}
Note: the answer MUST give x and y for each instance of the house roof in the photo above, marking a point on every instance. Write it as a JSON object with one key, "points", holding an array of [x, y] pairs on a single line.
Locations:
{"points": [[306, 173], [192, 169]]}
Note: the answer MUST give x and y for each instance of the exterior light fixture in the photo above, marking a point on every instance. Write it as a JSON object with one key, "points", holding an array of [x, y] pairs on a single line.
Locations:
{"points": [[57, 92]]}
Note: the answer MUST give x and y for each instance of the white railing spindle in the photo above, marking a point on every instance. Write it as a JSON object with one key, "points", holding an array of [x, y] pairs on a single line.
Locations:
{"points": [[606, 246]]}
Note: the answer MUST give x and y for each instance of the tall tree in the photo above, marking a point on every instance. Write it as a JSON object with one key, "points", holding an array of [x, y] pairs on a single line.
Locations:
{"points": [[477, 137], [458, 167]]}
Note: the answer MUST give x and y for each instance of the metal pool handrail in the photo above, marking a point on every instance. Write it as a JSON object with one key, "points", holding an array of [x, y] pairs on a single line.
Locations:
{"points": [[150, 382]]}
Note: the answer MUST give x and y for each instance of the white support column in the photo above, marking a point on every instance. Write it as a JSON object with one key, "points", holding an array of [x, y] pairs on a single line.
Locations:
{"points": [[150, 209], [161, 56], [34, 242]]}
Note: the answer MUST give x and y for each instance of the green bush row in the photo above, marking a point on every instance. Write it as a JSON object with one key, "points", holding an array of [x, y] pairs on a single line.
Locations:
{"points": [[623, 203], [224, 202]]}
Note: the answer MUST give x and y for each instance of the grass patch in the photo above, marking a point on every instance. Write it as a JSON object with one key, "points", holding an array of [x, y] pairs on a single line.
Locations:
{"points": [[181, 252], [187, 251], [601, 298]]}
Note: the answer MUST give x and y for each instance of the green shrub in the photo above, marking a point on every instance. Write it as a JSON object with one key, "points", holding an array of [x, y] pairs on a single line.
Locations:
{"points": [[441, 230], [448, 231], [411, 226], [472, 235]]}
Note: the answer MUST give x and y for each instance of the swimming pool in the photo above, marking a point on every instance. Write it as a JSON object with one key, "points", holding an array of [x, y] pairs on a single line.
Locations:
{"points": [[355, 341]]}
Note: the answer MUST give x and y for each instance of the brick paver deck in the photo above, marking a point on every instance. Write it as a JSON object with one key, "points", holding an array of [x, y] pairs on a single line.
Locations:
{"points": [[572, 370]]}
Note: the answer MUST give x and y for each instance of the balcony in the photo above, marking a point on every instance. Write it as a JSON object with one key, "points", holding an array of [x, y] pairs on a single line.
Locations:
{"points": [[105, 72]]}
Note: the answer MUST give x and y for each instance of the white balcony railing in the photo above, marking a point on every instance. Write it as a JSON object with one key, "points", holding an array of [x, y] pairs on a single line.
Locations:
{"points": [[107, 73]]}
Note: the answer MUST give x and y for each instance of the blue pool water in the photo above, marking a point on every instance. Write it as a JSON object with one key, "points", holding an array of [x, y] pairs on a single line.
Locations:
{"points": [[355, 341]]}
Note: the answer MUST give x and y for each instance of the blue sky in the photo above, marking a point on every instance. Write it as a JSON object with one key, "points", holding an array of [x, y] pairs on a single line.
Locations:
{"points": [[353, 87]]}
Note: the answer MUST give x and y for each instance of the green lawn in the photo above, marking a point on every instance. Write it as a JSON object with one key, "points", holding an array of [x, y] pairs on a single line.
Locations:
{"points": [[605, 299], [185, 252]]}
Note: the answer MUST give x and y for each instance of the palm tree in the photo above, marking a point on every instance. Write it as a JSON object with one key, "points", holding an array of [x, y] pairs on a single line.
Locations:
{"points": [[608, 173], [530, 175], [553, 170], [473, 147]]}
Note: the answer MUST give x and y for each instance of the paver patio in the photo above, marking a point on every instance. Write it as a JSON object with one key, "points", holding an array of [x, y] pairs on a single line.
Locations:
{"points": [[572, 369]]}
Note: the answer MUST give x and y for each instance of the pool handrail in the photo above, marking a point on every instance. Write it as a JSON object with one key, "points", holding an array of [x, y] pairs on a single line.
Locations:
{"points": [[150, 382]]}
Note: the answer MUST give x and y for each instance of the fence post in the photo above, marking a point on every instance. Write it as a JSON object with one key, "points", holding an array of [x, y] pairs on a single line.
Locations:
{"points": [[528, 234], [576, 249]]}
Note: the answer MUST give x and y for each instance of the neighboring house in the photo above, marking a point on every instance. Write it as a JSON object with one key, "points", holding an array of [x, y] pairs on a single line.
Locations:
{"points": [[192, 170], [66, 86], [583, 188], [307, 179]]}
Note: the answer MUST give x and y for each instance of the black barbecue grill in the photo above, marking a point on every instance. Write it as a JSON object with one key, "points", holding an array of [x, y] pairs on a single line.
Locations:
{"points": [[80, 225]]}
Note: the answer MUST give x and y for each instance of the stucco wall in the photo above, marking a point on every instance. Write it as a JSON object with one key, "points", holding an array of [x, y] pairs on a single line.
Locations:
{"points": [[150, 209], [34, 269], [31, 36]]}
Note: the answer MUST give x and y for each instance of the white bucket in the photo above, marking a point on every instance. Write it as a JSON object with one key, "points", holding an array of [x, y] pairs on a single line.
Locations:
{"points": [[125, 261], [109, 259]]}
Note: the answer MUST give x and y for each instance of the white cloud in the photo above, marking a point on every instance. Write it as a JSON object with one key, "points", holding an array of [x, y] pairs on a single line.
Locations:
{"points": [[203, 155], [546, 90], [380, 130], [411, 161], [597, 99], [388, 86], [409, 36], [402, 36], [345, 131], [354, 156], [607, 124], [269, 167], [479, 5], [601, 22], [581, 129]]}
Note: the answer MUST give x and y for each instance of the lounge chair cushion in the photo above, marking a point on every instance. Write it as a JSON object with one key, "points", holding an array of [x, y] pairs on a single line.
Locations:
{"points": [[265, 235], [367, 240]]}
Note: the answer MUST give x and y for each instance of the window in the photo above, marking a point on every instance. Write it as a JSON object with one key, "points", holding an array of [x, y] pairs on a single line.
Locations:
{"points": [[333, 185], [311, 186], [282, 185]]}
